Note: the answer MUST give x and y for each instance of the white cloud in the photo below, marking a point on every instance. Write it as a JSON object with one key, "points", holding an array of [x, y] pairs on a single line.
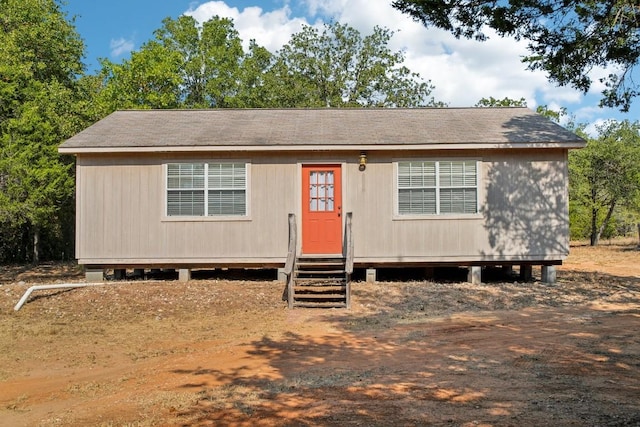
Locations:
{"points": [[596, 117], [592, 128], [270, 29], [462, 71], [120, 46]]}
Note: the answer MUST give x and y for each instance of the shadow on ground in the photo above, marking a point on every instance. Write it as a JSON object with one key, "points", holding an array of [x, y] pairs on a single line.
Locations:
{"points": [[504, 353]]}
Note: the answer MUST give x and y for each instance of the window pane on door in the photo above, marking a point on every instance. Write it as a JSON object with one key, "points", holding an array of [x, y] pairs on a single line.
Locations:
{"points": [[321, 191]]}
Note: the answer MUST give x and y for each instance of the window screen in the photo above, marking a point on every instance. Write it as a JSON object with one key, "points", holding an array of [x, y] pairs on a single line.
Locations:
{"points": [[185, 189], [227, 189], [437, 187], [206, 189], [417, 188]]}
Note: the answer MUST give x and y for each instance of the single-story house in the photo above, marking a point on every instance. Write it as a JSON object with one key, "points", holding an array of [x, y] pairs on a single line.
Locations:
{"points": [[428, 187]]}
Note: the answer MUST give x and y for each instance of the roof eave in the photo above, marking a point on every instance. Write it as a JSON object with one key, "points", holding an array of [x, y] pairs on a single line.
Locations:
{"points": [[281, 148]]}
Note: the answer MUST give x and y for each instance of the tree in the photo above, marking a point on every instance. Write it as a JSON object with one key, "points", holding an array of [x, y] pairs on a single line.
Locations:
{"points": [[543, 110], [556, 115], [505, 102], [255, 82], [186, 66], [211, 58], [40, 61], [149, 79], [604, 176], [567, 39], [337, 67]]}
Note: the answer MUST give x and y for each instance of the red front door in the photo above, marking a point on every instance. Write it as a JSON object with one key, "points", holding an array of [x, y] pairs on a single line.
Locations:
{"points": [[321, 209]]}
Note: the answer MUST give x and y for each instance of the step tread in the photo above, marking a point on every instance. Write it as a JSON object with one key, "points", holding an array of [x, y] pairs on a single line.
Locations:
{"points": [[318, 296], [318, 282], [331, 291], [322, 264], [342, 271], [320, 304], [321, 286], [321, 256]]}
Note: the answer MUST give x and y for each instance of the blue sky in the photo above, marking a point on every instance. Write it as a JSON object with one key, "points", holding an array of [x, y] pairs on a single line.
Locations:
{"points": [[462, 71]]}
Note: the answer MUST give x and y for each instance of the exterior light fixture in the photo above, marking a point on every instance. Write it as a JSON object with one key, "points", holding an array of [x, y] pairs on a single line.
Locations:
{"points": [[363, 161]]}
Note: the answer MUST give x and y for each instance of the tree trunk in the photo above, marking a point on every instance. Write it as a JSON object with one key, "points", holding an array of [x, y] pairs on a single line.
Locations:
{"points": [[603, 226], [594, 227], [36, 245], [639, 234]]}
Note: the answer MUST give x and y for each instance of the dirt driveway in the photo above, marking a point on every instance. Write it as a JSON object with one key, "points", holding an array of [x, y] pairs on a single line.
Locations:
{"points": [[219, 352]]}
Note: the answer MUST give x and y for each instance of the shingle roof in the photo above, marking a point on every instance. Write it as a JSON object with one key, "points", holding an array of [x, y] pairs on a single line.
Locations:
{"points": [[244, 129]]}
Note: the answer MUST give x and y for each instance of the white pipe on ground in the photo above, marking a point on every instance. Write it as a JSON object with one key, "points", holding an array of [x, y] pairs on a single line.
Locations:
{"points": [[46, 287]]}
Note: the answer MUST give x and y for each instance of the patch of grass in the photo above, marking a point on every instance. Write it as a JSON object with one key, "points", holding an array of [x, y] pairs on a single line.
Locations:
{"points": [[228, 396], [90, 389], [145, 423], [315, 380], [246, 398], [18, 404]]}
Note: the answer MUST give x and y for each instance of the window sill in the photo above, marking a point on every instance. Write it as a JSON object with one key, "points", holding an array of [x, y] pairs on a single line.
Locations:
{"points": [[220, 218], [440, 217]]}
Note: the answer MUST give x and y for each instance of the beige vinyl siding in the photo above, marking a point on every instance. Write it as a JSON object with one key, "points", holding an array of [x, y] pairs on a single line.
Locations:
{"points": [[523, 213], [121, 216]]}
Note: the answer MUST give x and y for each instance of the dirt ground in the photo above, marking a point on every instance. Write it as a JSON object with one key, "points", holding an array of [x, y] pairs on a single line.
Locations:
{"points": [[215, 351]]}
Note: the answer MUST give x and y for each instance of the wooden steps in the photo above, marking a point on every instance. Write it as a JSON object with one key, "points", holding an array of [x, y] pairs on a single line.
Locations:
{"points": [[319, 281]]}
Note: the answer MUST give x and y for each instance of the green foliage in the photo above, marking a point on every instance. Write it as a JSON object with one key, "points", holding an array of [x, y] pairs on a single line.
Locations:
{"points": [[555, 116], [255, 82], [580, 222], [337, 67], [543, 110], [40, 60], [505, 102], [566, 39], [210, 56], [149, 79], [604, 181], [188, 66]]}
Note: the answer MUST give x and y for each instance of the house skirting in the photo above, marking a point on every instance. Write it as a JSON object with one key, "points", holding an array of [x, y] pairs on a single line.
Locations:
{"points": [[95, 271]]}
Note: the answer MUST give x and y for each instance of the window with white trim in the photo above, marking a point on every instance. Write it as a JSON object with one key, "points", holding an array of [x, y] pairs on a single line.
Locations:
{"points": [[207, 189], [437, 187]]}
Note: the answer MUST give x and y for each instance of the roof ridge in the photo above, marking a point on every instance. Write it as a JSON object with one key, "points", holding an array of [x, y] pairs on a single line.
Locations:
{"points": [[157, 110]]}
